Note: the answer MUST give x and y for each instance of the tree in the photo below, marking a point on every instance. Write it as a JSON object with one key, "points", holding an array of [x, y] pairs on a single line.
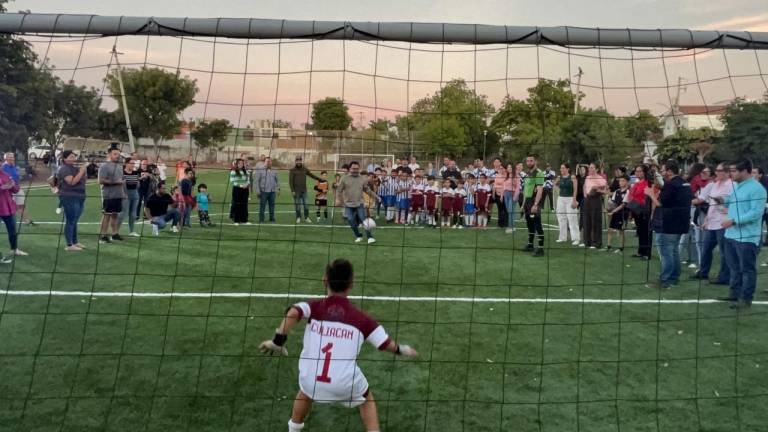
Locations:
{"points": [[746, 132], [642, 126], [594, 135], [330, 114], [75, 111], [155, 99], [451, 121], [209, 135], [688, 146]]}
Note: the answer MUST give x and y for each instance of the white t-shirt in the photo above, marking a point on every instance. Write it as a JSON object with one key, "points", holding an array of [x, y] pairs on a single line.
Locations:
{"points": [[717, 213], [334, 334]]}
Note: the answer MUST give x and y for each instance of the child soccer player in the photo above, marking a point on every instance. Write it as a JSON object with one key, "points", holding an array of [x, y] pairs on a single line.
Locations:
{"points": [[321, 197], [403, 198], [459, 197], [482, 198], [446, 195], [203, 200], [431, 193], [417, 200], [333, 337], [469, 203], [380, 192], [390, 195], [619, 214]]}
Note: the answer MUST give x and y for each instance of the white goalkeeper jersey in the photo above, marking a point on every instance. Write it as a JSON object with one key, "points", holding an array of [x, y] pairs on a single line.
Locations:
{"points": [[334, 334]]}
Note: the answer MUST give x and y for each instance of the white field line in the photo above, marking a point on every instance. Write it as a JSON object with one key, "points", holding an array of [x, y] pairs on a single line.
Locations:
{"points": [[208, 295]]}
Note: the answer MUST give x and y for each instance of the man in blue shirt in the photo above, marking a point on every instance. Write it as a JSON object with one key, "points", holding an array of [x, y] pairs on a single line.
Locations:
{"points": [[742, 233]]}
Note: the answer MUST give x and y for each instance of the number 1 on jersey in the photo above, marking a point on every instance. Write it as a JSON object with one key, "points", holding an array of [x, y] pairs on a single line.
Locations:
{"points": [[326, 364]]}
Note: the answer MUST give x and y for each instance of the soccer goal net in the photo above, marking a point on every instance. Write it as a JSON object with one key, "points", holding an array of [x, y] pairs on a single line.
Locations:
{"points": [[143, 309]]}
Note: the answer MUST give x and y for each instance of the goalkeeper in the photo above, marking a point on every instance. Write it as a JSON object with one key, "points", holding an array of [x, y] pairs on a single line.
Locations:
{"points": [[335, 332]]}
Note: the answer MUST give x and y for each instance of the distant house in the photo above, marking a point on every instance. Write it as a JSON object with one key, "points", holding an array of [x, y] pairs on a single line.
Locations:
{"points": [[692, 117]]}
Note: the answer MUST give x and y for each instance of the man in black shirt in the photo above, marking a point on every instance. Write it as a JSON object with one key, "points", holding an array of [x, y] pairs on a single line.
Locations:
{"points": [[159, 210], [452, 173], [671, 219]]}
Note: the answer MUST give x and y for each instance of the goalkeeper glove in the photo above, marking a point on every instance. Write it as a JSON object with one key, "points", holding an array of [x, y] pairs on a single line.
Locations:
{"points": [[274, 346], [406, 350]]}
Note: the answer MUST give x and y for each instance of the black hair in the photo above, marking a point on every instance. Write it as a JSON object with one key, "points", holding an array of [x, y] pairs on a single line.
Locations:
{"points": [[696, 169], [760, 171], [65, 154], [743, 165], [202, 186], [354, 163], [566, 165], [339, 274], [430, 178], [160, 184], [323, 172], [470, 176], [345, 167], [625, 177], [672, 165], [188, 170]]}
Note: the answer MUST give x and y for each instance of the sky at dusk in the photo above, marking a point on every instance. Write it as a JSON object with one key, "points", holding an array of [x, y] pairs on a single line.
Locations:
{"points": [[249, 80]]}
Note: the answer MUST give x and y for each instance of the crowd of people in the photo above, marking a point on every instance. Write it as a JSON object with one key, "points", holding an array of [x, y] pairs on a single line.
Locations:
{"points": [[686, 216]]}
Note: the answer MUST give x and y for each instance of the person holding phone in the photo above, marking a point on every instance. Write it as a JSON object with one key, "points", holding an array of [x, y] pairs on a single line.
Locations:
{"points": [[71, 189]]}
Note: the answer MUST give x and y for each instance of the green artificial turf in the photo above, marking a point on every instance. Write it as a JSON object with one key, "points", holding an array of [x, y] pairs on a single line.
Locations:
{"points": [[133, 363]]}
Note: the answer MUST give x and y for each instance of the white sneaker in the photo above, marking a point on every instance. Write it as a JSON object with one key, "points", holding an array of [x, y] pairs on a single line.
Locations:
{"points": [[247, 223], [155, 230], [174, 229], [461, 226], [298, 221], [575, 243], [592, 247], [19, 252], [308, 220], [58, 210], [371, 240], [134, 234], [765, 264], [358, 240], [691, 266], [556, 241], [581, 245], [236, 224]]}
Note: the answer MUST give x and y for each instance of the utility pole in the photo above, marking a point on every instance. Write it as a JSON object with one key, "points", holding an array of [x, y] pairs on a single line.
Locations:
{"points": [[675, 109], [116, 55], [578, 90]]}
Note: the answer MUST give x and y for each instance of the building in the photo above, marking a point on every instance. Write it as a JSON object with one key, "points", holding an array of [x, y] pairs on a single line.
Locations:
{"points": [[692, 117]]}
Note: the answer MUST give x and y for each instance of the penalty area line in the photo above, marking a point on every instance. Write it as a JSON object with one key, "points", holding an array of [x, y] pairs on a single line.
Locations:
{"points": [[209, 295]]}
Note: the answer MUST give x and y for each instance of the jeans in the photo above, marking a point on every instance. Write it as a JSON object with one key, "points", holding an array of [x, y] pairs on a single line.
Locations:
{"points": [[742, 260], [710, 239], [669, 252], [355, 216], [689, 250], [300, 199], [162, 221], [73, 208], [130, 206], [267, 198], [10, 226], [510, 205]]}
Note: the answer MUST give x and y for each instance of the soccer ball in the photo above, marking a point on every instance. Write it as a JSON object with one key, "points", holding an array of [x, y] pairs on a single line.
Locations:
{"points": [[369, 224]]}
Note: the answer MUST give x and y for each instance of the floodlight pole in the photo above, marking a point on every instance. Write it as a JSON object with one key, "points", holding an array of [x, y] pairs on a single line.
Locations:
{"points": [[116, 54]]}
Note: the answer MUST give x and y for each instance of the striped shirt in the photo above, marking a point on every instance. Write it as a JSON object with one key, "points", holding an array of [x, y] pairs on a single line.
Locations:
{"points": [[549, 179], [470, 191], [404, 189], [131, 179], [391, 186], [238, 180]]}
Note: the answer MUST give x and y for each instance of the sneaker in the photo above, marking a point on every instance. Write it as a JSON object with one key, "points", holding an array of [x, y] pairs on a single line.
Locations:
{"points": [[80, 245], [606, 249], [308, 220], [319, 220], [581, 245], [155, 230], [174, 229], [134, 234], [58, 210], [528, 248], [235, 224], [117, 237], [692, 266], [461, 226], [298, 221], [618, 251], [105, 240], [765, 264], [358, 240], [247, 223], [18, 252], [556, 241], [659, 285], [371, 240], [511, 230], [72, 248], [593, 247], [575, 242], [539, 252], [6, 260]]}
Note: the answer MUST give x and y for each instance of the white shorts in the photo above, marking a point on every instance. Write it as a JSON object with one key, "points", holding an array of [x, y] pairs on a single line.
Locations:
{"points": [[19, 198], [349, 393]]}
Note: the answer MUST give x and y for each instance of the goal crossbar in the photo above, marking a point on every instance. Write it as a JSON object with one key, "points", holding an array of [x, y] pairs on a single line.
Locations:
{"points": [[479, 34]]}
